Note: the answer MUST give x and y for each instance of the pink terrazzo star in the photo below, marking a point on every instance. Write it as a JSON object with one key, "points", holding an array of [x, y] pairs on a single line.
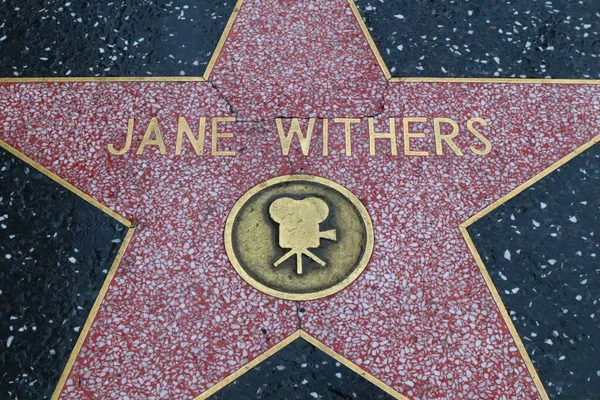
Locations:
{"points": [[177, 318]]}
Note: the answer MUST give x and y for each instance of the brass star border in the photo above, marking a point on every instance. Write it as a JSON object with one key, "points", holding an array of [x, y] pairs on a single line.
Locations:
{"points": [[109, 276], [203, 78], [486, 276], [482, 268], [391, 78], [365, 30], [300, 334]]}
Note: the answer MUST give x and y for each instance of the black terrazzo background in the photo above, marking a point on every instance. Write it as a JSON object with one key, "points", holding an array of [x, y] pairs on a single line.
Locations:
{"points": [[115, 38], [433, 38], [55, 252], [542, 250], [300, 371], [486, 38]]}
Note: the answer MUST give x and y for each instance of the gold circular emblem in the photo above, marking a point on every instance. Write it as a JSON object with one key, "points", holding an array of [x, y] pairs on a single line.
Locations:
{"points": [[299, 237]]}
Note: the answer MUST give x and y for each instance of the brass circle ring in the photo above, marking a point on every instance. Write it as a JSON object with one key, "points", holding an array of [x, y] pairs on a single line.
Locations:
{"points": [[334, 259]]}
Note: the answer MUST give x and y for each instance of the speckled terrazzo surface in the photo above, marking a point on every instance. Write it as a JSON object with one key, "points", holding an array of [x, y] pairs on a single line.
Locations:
{"points": [[522, 39], [55, 253], [177, 319], [300, 371], [541, 249], [198, 321], [120, 38]]}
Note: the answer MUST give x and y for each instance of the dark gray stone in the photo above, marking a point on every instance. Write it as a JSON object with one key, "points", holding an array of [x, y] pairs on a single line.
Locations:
{"points": [[490, 38], [117, 38], [301, 371], [542, 251], [55, 252]]}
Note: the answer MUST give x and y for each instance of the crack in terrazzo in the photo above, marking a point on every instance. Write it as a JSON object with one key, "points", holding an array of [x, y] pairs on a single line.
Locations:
{"points": [[526, 139], [225, 99], [381, 106], [265, 333]]}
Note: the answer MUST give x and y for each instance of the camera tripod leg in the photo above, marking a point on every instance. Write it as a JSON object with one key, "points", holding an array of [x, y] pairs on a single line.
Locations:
{"points": [[299, 263], [284, 257], [299, 254], [315, 258]]}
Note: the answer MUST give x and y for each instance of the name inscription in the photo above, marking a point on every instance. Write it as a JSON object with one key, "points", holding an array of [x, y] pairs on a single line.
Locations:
{"points": [[384, 136]]}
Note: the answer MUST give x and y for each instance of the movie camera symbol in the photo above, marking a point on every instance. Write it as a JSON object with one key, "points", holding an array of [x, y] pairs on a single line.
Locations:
{"points": [[299, 227]]}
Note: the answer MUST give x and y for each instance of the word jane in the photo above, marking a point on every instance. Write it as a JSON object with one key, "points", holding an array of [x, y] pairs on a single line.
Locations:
{"points": [[445, 130]]}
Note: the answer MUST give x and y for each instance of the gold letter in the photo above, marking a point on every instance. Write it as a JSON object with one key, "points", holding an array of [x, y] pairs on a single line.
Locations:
{"points": [[216, 135], [325, 137], [488, 145], [197, 144], [382, 135], [347, 126], [111, 147], [447, 138], [148, 140], [286, 140], [408, 135]]}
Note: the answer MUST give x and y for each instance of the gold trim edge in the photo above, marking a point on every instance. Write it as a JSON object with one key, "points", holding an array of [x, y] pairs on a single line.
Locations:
{"points": [[363, 27], [395, 79], [300, 334], [483, 270], [204, 78], [522, 81], [65, 184], [84, 79], [92, 315], [370, 41], [531, 181], [111, 273], [222, 39]]}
